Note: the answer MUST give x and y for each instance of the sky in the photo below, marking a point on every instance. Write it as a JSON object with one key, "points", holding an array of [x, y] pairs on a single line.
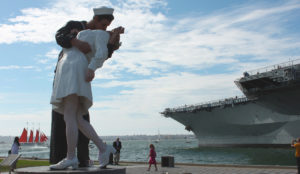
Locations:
{"points": [[173, 53]]}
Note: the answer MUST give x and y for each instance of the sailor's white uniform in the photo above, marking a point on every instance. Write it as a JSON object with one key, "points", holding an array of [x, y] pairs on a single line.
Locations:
{"points": [[72, 68]]}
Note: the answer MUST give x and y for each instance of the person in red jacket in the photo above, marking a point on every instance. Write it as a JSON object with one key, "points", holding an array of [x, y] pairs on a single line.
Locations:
{"points": [[152, 156]]}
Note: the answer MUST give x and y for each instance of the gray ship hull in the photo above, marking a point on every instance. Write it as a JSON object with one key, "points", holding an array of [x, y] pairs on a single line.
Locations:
{"points": [[247, 124], [284, 100]]}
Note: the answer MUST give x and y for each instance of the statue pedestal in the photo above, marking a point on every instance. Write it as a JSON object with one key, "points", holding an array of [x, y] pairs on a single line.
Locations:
{"points": [[84, 170]]}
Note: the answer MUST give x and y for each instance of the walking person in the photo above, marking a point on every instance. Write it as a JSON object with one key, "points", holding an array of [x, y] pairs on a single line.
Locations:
{"points": [[66, 38], [118, 146], [72, 94], [152, 156], [296, 144], [15, 146], [15, 150]]}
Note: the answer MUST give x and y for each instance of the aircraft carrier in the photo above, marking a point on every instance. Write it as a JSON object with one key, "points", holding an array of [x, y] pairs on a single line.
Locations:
{"points": [[252, 120]]}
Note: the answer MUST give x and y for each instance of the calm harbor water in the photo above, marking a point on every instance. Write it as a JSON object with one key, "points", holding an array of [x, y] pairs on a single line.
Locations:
{"points": [[183, 151]]}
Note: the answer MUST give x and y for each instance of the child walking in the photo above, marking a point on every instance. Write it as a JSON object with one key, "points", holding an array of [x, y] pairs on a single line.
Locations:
{"points": [[152, 156]]}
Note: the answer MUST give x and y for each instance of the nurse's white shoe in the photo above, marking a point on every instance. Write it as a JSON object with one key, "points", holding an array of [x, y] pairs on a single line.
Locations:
{"points": [[104, 156], [65, 163]]}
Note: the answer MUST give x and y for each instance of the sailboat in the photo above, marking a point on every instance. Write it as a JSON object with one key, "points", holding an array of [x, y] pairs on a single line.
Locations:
{"points": [[40, 138], [187, 140], [158, 138]]}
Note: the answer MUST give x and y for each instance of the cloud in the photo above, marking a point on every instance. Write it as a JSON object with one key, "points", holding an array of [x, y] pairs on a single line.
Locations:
{"points": [[154, 40], [257, 14], [142, 100], [52, 54], [13, 67], [165, 62], [21, 107], [13, 123], [40, 24], [247, 35], [136, 109], [50, 57]]}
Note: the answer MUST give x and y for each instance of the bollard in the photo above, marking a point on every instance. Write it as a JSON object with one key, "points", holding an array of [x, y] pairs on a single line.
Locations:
{"points": [[167, 161]]}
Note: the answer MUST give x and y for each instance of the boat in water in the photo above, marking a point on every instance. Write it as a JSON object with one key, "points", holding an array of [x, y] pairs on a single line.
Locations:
{"points": [[158, 138], [276, 87], [39, 139], [267, 116]]}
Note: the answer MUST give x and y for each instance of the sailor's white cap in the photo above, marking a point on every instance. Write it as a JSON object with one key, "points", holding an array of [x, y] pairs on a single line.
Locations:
{"points": [[103, 11]]}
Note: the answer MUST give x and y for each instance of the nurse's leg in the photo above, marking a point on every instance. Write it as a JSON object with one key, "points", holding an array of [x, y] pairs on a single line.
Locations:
{"points": [[70, 112], [87, 129]]}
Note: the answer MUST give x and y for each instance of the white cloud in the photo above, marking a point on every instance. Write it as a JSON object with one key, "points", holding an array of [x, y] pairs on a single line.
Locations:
{"points": [[195, 42], [13, 67], [172, 86], [141, 103], [205, 41], [244, 38], [50, 57], [21, 107], [13, 123], [53, 53], [262, 13]]}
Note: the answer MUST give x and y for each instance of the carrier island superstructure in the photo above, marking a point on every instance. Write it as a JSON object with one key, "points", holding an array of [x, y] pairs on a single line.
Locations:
{"points": [[246, 121], [276, 87]]}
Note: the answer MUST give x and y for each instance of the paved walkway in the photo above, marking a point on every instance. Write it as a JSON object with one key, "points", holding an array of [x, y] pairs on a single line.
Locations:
{"points": [[205, 169], [184, 169]]}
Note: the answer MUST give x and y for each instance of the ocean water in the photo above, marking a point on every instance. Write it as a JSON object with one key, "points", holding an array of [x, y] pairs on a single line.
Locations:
{"points": [[183, 152]]}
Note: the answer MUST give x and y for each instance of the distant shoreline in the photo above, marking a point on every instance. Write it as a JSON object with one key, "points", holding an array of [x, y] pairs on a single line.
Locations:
{"points": [[127, 137]]}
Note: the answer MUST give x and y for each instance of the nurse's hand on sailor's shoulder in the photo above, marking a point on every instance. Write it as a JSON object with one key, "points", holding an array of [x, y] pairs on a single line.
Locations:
{"points": [[115, 37], [81, 45], [115, 34], [118, 30], [90, 74]]}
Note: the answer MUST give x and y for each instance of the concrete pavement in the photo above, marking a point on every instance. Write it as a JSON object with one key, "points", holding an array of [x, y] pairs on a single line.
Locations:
{"points": [[186, 169], [139, 168]]}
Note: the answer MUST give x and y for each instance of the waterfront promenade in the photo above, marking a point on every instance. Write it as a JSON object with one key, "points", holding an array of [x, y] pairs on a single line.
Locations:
{"points": [[140, 168], [210, 169]]}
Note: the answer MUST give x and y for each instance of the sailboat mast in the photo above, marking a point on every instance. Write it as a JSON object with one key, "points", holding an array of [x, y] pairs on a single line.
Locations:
{"points": [[158, 134], [27, 131], [38, 140], [32, 132]]}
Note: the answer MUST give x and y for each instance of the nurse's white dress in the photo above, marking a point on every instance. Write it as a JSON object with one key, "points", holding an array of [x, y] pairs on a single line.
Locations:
{"points": [[72, 68]]}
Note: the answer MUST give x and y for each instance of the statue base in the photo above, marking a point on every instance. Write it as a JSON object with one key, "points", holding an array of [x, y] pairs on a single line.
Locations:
{"points": [[83, 170]]}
